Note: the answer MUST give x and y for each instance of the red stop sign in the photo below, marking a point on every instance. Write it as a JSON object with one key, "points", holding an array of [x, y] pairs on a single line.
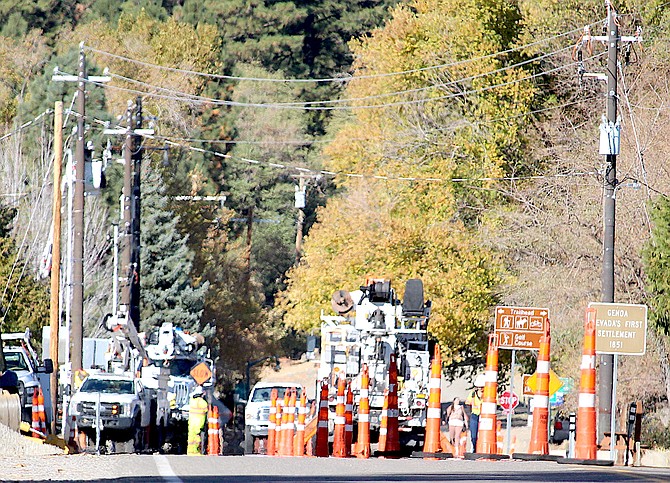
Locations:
{"points": [[508, 401]]}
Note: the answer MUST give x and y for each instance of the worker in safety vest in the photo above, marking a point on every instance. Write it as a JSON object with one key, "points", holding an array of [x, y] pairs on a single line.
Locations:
{"points": [[197, 417], [474, 400]]}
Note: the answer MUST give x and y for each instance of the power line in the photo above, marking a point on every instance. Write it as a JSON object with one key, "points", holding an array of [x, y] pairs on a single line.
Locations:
{"points": [[183, 97], [374, 96], [339, 79], [26, 125]]}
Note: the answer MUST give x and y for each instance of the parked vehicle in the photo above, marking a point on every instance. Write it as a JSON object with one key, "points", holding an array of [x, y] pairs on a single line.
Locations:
{"points": [[119, 404], [20, 357], [257, 412], [560, 428], [371, 325]]}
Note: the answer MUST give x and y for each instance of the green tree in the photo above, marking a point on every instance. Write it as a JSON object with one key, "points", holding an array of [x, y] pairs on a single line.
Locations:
{"points": [[169, 293], [24, 302]]}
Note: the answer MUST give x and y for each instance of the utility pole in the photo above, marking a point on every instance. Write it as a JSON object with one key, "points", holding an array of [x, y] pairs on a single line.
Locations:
{"points": [[136, 212], [609, 146], [77, 334], [300, 205], [609, 210], [126, 236], [54, 313], [77, 310]]}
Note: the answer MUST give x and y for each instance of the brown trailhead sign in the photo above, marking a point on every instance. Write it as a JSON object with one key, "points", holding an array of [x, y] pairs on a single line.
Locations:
{"points": [[201, 373], [521, 327], [620, 328]]}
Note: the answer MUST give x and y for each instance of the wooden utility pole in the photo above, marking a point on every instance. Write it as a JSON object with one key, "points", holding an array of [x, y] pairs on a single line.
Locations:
{"points": [[609, 147], [300, 205], [609, 210], [54, 313], [77, 325], [136, 215], [126, 232], [77, 300]]}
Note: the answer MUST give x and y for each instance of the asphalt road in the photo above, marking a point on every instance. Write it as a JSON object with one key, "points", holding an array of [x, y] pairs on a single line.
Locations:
{"points": [[257, 469]]}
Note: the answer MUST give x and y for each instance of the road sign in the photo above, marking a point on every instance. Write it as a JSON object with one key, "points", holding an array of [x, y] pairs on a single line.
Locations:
{"points": [[620, 328], [201, 373], [555, 383], [521, 327], [508, 401], [527, 390]]}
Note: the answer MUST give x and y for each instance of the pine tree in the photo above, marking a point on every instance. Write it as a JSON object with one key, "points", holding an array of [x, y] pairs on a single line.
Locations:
{"points": [[656, 257], [168, 292]]}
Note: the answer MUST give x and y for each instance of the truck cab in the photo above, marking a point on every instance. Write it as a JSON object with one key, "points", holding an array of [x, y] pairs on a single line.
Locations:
{"points": [[123, 412], [21, 358]]}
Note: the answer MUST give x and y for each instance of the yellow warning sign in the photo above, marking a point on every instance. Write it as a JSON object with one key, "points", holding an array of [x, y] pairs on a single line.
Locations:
{"points": [[555, 383], [201, 373]]}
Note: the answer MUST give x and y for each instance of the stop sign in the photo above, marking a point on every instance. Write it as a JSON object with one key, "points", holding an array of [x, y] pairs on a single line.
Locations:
{"points": [[508, 401]]}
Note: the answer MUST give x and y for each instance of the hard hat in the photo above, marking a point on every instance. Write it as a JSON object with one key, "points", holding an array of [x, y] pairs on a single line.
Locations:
{"points": [[479, 380], [197, 392]]}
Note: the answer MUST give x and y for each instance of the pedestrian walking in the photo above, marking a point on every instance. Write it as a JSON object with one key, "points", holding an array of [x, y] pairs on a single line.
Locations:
{"points": [[474, 400], [458, 423]]}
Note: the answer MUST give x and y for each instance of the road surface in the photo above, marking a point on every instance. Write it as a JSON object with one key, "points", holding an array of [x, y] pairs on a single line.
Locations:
{"points": [[261, 469]]}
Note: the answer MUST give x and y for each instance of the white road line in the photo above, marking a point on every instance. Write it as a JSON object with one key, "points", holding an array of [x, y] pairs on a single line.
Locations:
{"points": [[165, 470]]}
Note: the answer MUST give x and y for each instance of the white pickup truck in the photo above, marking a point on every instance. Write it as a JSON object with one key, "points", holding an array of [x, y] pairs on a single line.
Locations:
{"points": [[21, 358], [124, 412], [257, 412]]}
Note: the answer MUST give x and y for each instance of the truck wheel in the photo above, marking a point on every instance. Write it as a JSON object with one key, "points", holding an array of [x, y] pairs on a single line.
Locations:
{"points": [[248, 441]]}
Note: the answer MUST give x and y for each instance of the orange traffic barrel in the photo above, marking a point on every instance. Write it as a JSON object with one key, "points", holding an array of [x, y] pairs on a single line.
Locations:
{"points": [[539, 442], [585, 447], [272, 424], [434, 411], [362, 447], [322, 424], [339, 437], [299, 444], [486, 439]]}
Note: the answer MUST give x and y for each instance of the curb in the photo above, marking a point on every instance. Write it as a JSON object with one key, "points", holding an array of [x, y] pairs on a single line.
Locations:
{"points": [[486, 456], [440, 456], [577, 461], [536, 457]]}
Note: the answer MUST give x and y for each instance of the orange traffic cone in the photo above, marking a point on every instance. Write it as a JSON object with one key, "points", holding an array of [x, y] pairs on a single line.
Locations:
{"points": [[362, 447], [213, 431], [486, 436], [499, 438], [383, 424], [272, 425], [539, 443], [299, 444], [339, 439], [322, 424], [289, 430], [392, 439], [393, 436], [282, 424], [585, 447], [512, 448], [349, 420], [434, 411], [36, 424]]}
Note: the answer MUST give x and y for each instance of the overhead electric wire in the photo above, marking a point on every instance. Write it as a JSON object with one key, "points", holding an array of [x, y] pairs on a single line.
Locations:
{"points": [[209, 101], [25, 125], [330, 79], [374, 96], [34, 210]]}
